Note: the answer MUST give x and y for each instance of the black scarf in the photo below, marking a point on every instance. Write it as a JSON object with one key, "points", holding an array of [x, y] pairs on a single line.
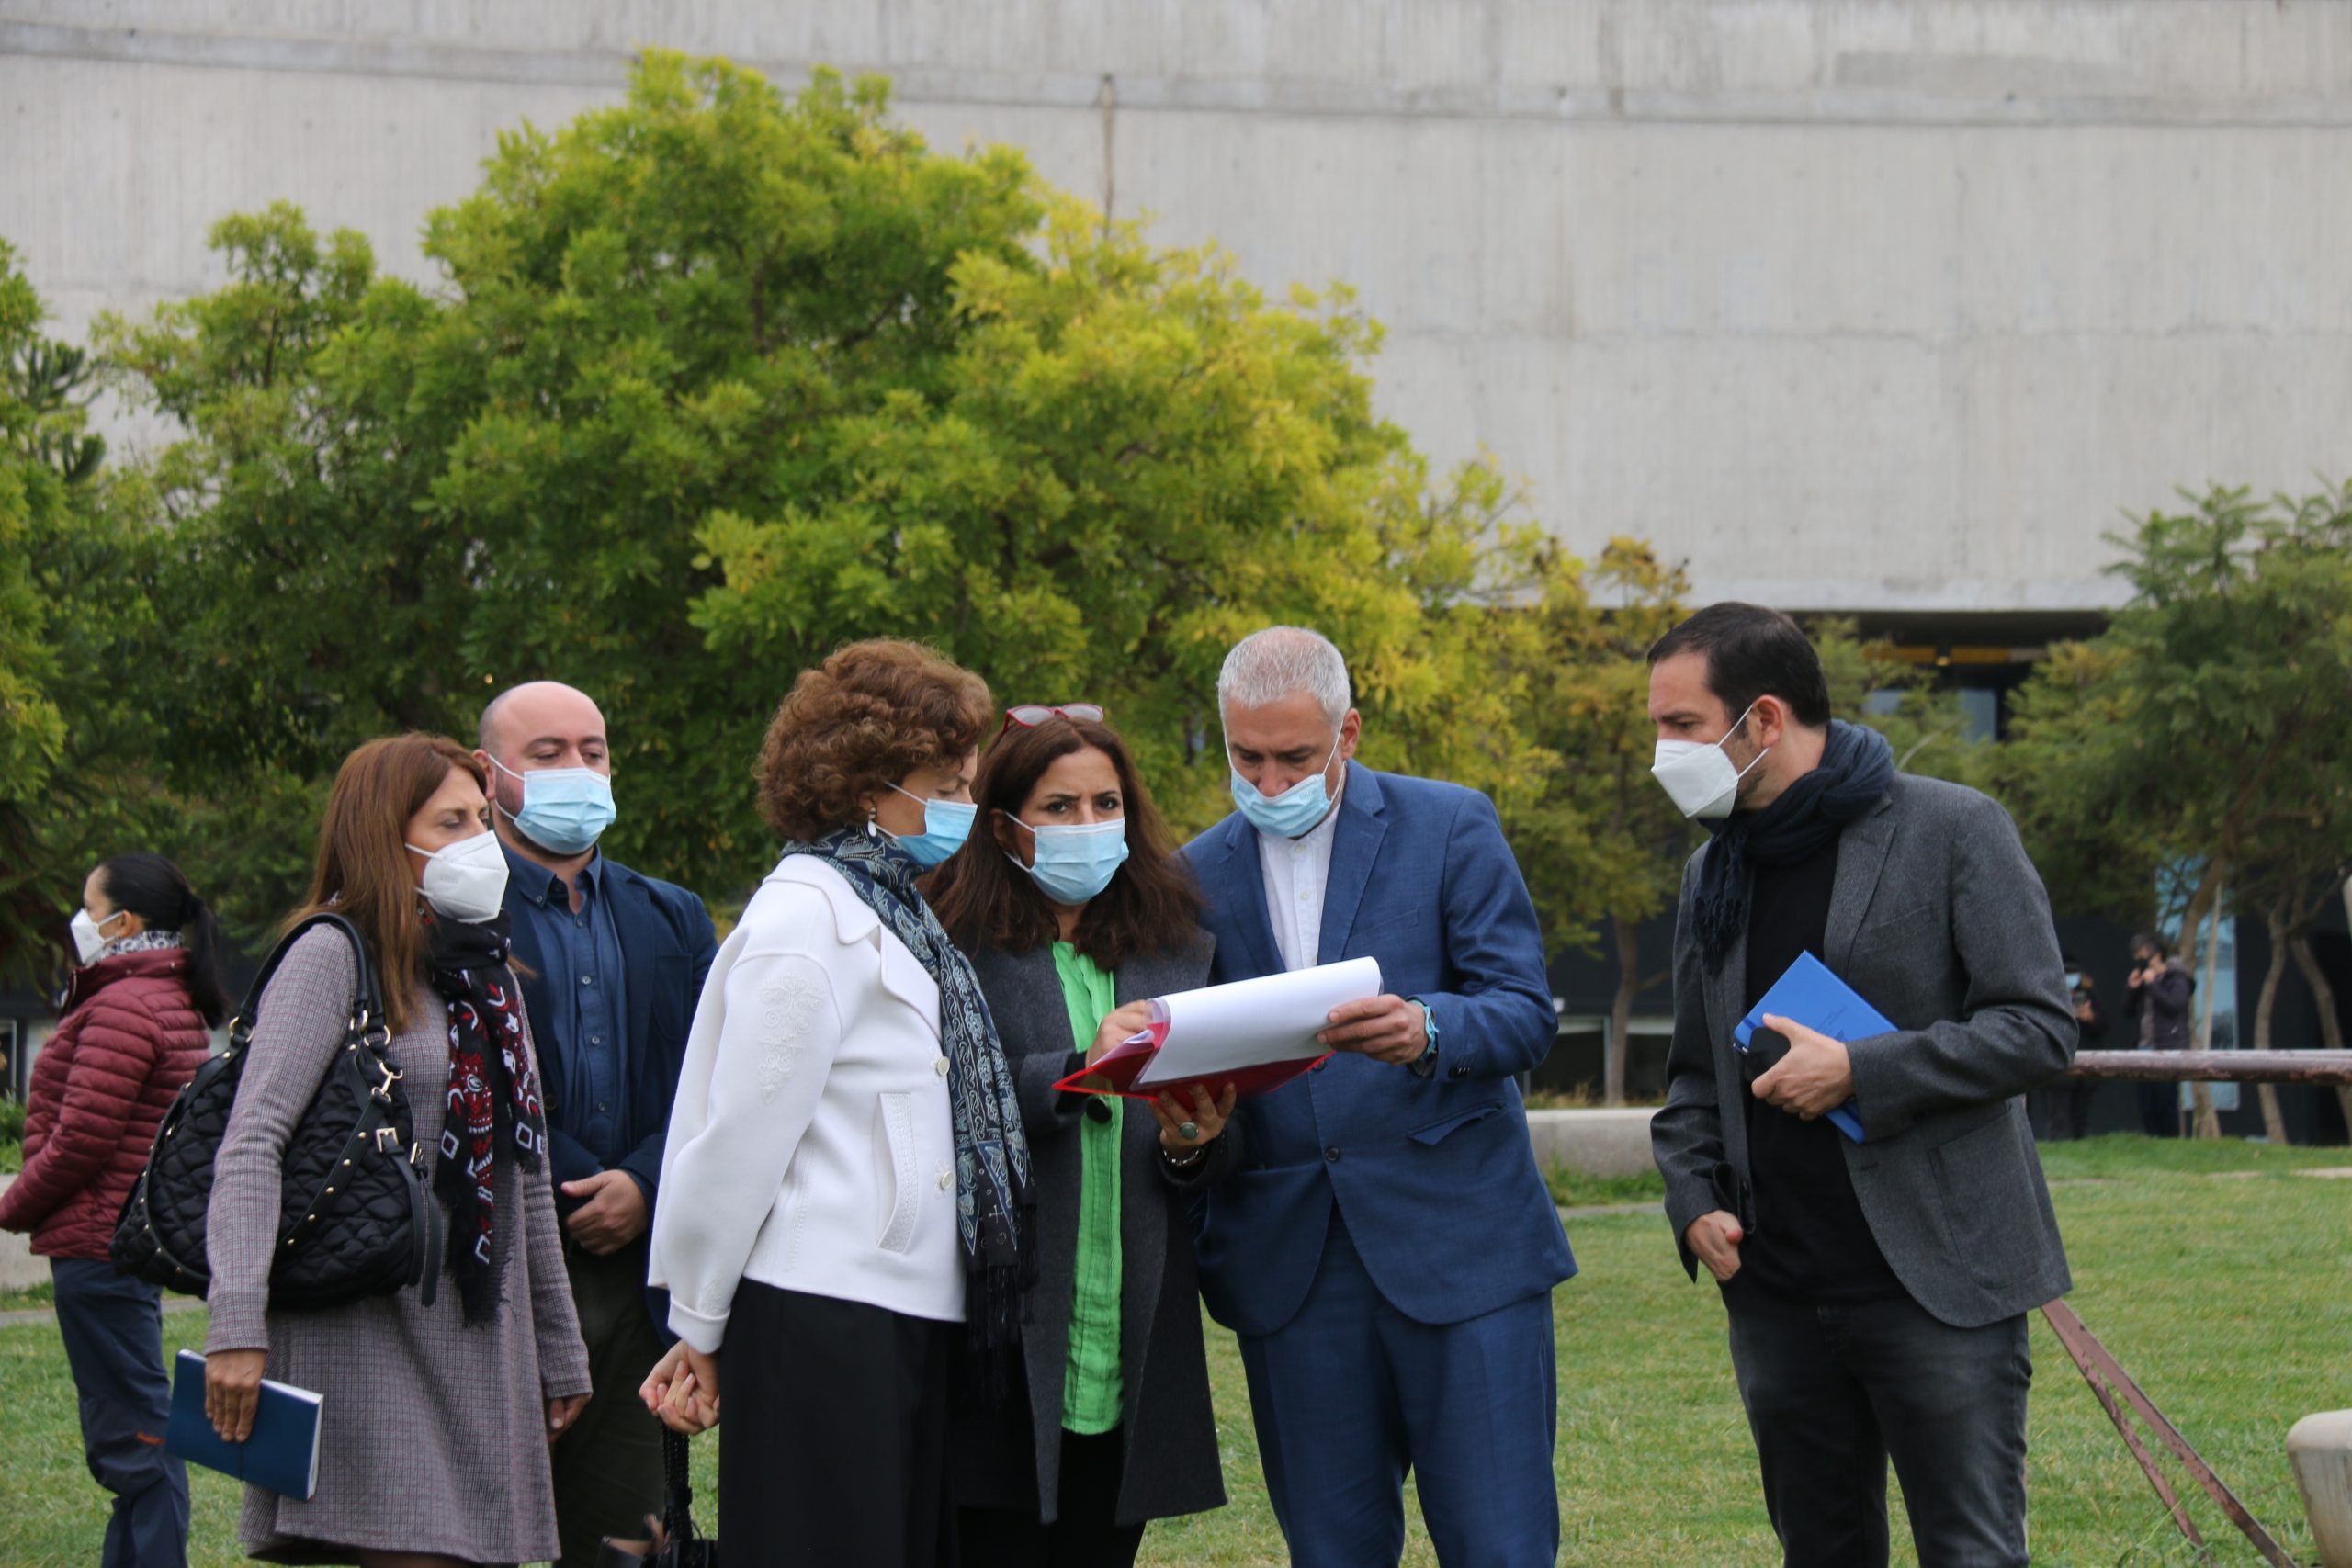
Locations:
{"points": [[995, 1205], [492, 1098], [1856, 769]]}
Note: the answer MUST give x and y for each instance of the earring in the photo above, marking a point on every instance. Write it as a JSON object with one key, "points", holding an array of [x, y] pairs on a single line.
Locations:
{"points": [[872, 830]]}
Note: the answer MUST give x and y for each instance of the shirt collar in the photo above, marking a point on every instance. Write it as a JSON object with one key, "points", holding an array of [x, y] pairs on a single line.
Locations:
{"points": [[544, 887]]}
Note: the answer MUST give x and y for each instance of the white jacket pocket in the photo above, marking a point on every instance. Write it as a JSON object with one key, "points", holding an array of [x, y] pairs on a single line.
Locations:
{"points": [[894, 1162]]}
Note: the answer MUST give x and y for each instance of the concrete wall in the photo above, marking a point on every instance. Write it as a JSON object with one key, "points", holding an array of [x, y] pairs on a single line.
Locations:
{"points": [[1881, 306]]}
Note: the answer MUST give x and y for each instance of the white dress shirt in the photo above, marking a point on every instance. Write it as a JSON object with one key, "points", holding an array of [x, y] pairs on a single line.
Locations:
{"points": [[1298, 872]]}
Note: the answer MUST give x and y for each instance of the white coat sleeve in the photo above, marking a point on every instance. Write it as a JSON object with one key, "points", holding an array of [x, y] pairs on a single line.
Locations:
{"points": [[746, 1095]]}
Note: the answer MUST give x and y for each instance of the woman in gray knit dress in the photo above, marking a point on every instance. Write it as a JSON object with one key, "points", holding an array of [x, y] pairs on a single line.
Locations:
{"points": [[437, 1419]]}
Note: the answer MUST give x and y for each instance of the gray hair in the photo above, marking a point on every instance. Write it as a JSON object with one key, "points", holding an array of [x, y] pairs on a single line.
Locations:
{"points": [[1267, 666]]}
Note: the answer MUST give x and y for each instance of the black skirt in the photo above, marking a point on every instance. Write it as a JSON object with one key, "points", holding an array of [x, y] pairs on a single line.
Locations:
{"points": [[833, 1447]]}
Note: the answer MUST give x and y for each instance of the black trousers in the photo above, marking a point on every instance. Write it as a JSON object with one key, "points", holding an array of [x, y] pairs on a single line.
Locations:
{"points": [[2070, 1108], [1084, 1535], [834, 1450], [1834, 1392], [608, 1466]]}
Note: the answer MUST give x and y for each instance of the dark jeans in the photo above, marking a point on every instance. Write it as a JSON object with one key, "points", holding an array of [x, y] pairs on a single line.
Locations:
{"points": [[608, 1466], [1834, 1392], [834, 1453], [2160, 1110], [1085, 1534], [114, 1342]]}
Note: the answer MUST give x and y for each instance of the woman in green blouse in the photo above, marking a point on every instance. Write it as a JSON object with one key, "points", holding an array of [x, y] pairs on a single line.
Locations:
{"points": [[1077, 911]]}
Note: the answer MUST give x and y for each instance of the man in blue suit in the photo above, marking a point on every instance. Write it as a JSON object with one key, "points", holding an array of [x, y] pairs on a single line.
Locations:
{"points": [[614, 963], [1388, 1249]]}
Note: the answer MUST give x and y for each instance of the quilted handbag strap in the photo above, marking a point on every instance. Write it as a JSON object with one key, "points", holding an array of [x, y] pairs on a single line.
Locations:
{"points": [[367, 1003]]}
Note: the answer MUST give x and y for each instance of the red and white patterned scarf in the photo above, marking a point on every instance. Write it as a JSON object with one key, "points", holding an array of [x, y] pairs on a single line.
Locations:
{"points": [[492, 1098]]}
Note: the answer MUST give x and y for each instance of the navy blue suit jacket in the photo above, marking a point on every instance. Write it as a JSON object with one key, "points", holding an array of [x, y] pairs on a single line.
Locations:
{"points": [[1433, 1175], [667, 943]]}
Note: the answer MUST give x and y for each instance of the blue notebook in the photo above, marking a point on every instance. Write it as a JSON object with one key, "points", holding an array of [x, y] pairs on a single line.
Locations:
{"points": [[283, 1452], [1809, 994]]}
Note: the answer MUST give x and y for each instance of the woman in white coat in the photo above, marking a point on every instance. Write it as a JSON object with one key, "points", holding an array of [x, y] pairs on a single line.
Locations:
{"points": [[850, 1182]]}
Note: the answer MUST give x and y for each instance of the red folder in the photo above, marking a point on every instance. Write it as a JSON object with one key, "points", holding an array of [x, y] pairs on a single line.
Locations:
{"points": [[1116, 1072]]}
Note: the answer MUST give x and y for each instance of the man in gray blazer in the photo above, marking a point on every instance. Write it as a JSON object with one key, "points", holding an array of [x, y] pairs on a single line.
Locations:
{"points": [[1876, 1290]]}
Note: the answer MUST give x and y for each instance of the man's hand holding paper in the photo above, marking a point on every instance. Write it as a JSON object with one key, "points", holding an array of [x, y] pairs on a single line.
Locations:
{"points": [[1387, 1029]]}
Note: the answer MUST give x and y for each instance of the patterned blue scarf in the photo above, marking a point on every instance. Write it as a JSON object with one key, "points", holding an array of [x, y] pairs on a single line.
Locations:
{"points": [[994, 1203]]}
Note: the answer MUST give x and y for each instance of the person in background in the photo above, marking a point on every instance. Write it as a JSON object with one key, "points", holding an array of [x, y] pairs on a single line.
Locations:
{"points": [[848, 1128], [2156, 1001], [2069, 1099], [130, 1033], [612, 962], [434, 1421], [1075, 912], [1875, 1290], [1388, 1249]]}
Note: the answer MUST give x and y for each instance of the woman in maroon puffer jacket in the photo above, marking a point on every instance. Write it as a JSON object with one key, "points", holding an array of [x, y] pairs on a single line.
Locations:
{"points": [[132, 1034]]}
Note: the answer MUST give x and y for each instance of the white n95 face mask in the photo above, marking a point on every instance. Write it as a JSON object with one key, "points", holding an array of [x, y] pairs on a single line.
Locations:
{"points": [[465, 880], [90, 935], [1698, 775]]}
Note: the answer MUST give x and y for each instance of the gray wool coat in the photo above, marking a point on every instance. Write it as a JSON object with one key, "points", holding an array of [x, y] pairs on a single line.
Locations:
{"points": [[1939, 919], [1008, 1456]]}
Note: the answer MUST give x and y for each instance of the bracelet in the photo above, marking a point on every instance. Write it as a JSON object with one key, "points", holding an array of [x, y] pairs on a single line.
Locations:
{"points": [[1189, 1161]]}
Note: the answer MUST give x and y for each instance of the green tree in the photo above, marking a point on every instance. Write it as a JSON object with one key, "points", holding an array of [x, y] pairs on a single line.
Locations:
{"points": [[1602, 846], [2204, 741], [719, 379], [72, 606]]}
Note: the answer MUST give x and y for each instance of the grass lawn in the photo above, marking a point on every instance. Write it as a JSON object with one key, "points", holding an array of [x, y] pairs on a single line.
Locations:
{"points": [[2221, 1278]]}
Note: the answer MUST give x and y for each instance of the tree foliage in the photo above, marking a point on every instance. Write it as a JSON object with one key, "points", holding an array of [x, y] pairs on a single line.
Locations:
{"points": [[719, 379], [2195, 759], [72, 604]]}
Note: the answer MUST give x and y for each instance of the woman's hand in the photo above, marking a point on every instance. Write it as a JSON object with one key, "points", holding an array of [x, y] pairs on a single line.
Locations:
{"points": [[682, 1389], [1207, 1119], [1118, 1028], [562, 1413], [232, 1391]]}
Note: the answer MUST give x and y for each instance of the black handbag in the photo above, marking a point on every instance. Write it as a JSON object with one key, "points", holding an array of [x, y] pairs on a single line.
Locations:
{"points": [[677, 1545], [354, 1219]]}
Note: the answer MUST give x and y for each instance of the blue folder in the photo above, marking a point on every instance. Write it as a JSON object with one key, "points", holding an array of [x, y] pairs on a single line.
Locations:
{"points": [[1809, 994], [283, 1452]]}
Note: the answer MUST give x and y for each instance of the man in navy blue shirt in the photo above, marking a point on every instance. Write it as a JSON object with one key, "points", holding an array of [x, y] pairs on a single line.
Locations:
{"points": [[614, 965]]}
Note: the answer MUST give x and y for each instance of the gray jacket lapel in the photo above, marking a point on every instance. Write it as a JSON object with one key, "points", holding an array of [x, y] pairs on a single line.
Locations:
{"points": [[1727, 987], [1025, 996], [1149, 974], [1862, 854]]}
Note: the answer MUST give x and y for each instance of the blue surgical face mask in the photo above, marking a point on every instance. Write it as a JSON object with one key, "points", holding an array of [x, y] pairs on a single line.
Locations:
{"points": [[945, 825], [565, 810], [1075, 861], [1290, 813]]}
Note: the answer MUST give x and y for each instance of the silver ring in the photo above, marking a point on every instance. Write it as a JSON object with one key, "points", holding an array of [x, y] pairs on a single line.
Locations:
{"points": [[1186, 1131]]}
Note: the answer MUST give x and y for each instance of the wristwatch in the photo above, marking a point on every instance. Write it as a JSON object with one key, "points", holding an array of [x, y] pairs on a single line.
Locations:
{"points": [[1426, 1063]]}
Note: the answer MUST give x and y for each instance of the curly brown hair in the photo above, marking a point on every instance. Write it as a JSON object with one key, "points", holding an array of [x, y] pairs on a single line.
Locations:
{"points": [[867, 717]]}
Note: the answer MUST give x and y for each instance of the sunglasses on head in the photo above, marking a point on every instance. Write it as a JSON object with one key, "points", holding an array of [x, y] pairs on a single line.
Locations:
{"points": [[1029, 716]]}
